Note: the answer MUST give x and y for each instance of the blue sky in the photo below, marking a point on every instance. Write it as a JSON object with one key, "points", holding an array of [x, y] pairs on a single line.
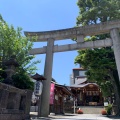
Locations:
{"points": [[44, 15]]}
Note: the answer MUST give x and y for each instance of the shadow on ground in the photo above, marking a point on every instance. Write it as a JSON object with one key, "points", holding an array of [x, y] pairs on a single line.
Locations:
{"points": [[114, 117]]}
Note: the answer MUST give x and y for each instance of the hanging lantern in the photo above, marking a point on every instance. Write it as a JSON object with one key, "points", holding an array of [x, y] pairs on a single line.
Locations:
{"points": [[38, 84], [38, 88]]}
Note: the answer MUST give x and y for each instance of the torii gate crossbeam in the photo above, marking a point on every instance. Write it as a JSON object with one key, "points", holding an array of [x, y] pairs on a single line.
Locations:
{"points": [[77, 46]]}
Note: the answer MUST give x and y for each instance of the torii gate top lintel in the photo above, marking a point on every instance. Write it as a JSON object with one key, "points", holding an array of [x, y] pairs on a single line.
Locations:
{"points": [[70, 33]]}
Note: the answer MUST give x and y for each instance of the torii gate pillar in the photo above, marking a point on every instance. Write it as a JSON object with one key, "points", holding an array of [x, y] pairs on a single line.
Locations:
{"points": [[45, 97], [116, 46]]}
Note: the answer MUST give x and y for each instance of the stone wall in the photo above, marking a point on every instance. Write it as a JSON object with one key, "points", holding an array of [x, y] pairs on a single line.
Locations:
{"points": [[14, 103]]}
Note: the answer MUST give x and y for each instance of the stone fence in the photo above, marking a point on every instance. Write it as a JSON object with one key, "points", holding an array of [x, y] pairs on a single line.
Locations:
{"points": [[14, 103]]}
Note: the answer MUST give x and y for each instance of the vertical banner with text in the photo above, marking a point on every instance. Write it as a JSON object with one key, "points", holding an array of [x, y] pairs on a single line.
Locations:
{"points": [[52, 93]]}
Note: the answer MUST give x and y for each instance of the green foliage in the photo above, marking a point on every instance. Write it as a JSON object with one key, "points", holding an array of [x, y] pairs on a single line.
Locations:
{"points": [[99, 62], [13, 43], [107, 88], [2, 75], [109, 109], [23, 81], [94, 11]]}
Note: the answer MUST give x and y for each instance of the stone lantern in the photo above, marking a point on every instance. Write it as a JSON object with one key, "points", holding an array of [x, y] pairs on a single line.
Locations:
{"points": [[11, 64]]}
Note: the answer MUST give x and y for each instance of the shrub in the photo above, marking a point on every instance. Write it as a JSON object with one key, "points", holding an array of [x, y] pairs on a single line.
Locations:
{"points": [[109, 109]]}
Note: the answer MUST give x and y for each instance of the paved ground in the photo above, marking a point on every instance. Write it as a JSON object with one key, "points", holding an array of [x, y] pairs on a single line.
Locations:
{"points": [[78, 117]]}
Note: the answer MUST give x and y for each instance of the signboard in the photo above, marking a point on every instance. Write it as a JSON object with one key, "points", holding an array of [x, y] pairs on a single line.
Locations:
{"points": [[38, 88], [52, 93], [105, 103]]}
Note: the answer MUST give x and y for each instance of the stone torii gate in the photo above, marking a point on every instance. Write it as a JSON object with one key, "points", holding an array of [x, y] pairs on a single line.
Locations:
{"points": [[111, 27]]}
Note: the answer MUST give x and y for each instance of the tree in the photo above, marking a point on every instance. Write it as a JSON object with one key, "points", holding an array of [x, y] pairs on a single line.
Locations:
{"points": [[24, 81], [100, 62], [13, 43], [97, 66]]}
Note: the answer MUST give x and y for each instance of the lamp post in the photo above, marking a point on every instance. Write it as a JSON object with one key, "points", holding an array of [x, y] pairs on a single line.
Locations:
{"points": [[38, 88]]}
